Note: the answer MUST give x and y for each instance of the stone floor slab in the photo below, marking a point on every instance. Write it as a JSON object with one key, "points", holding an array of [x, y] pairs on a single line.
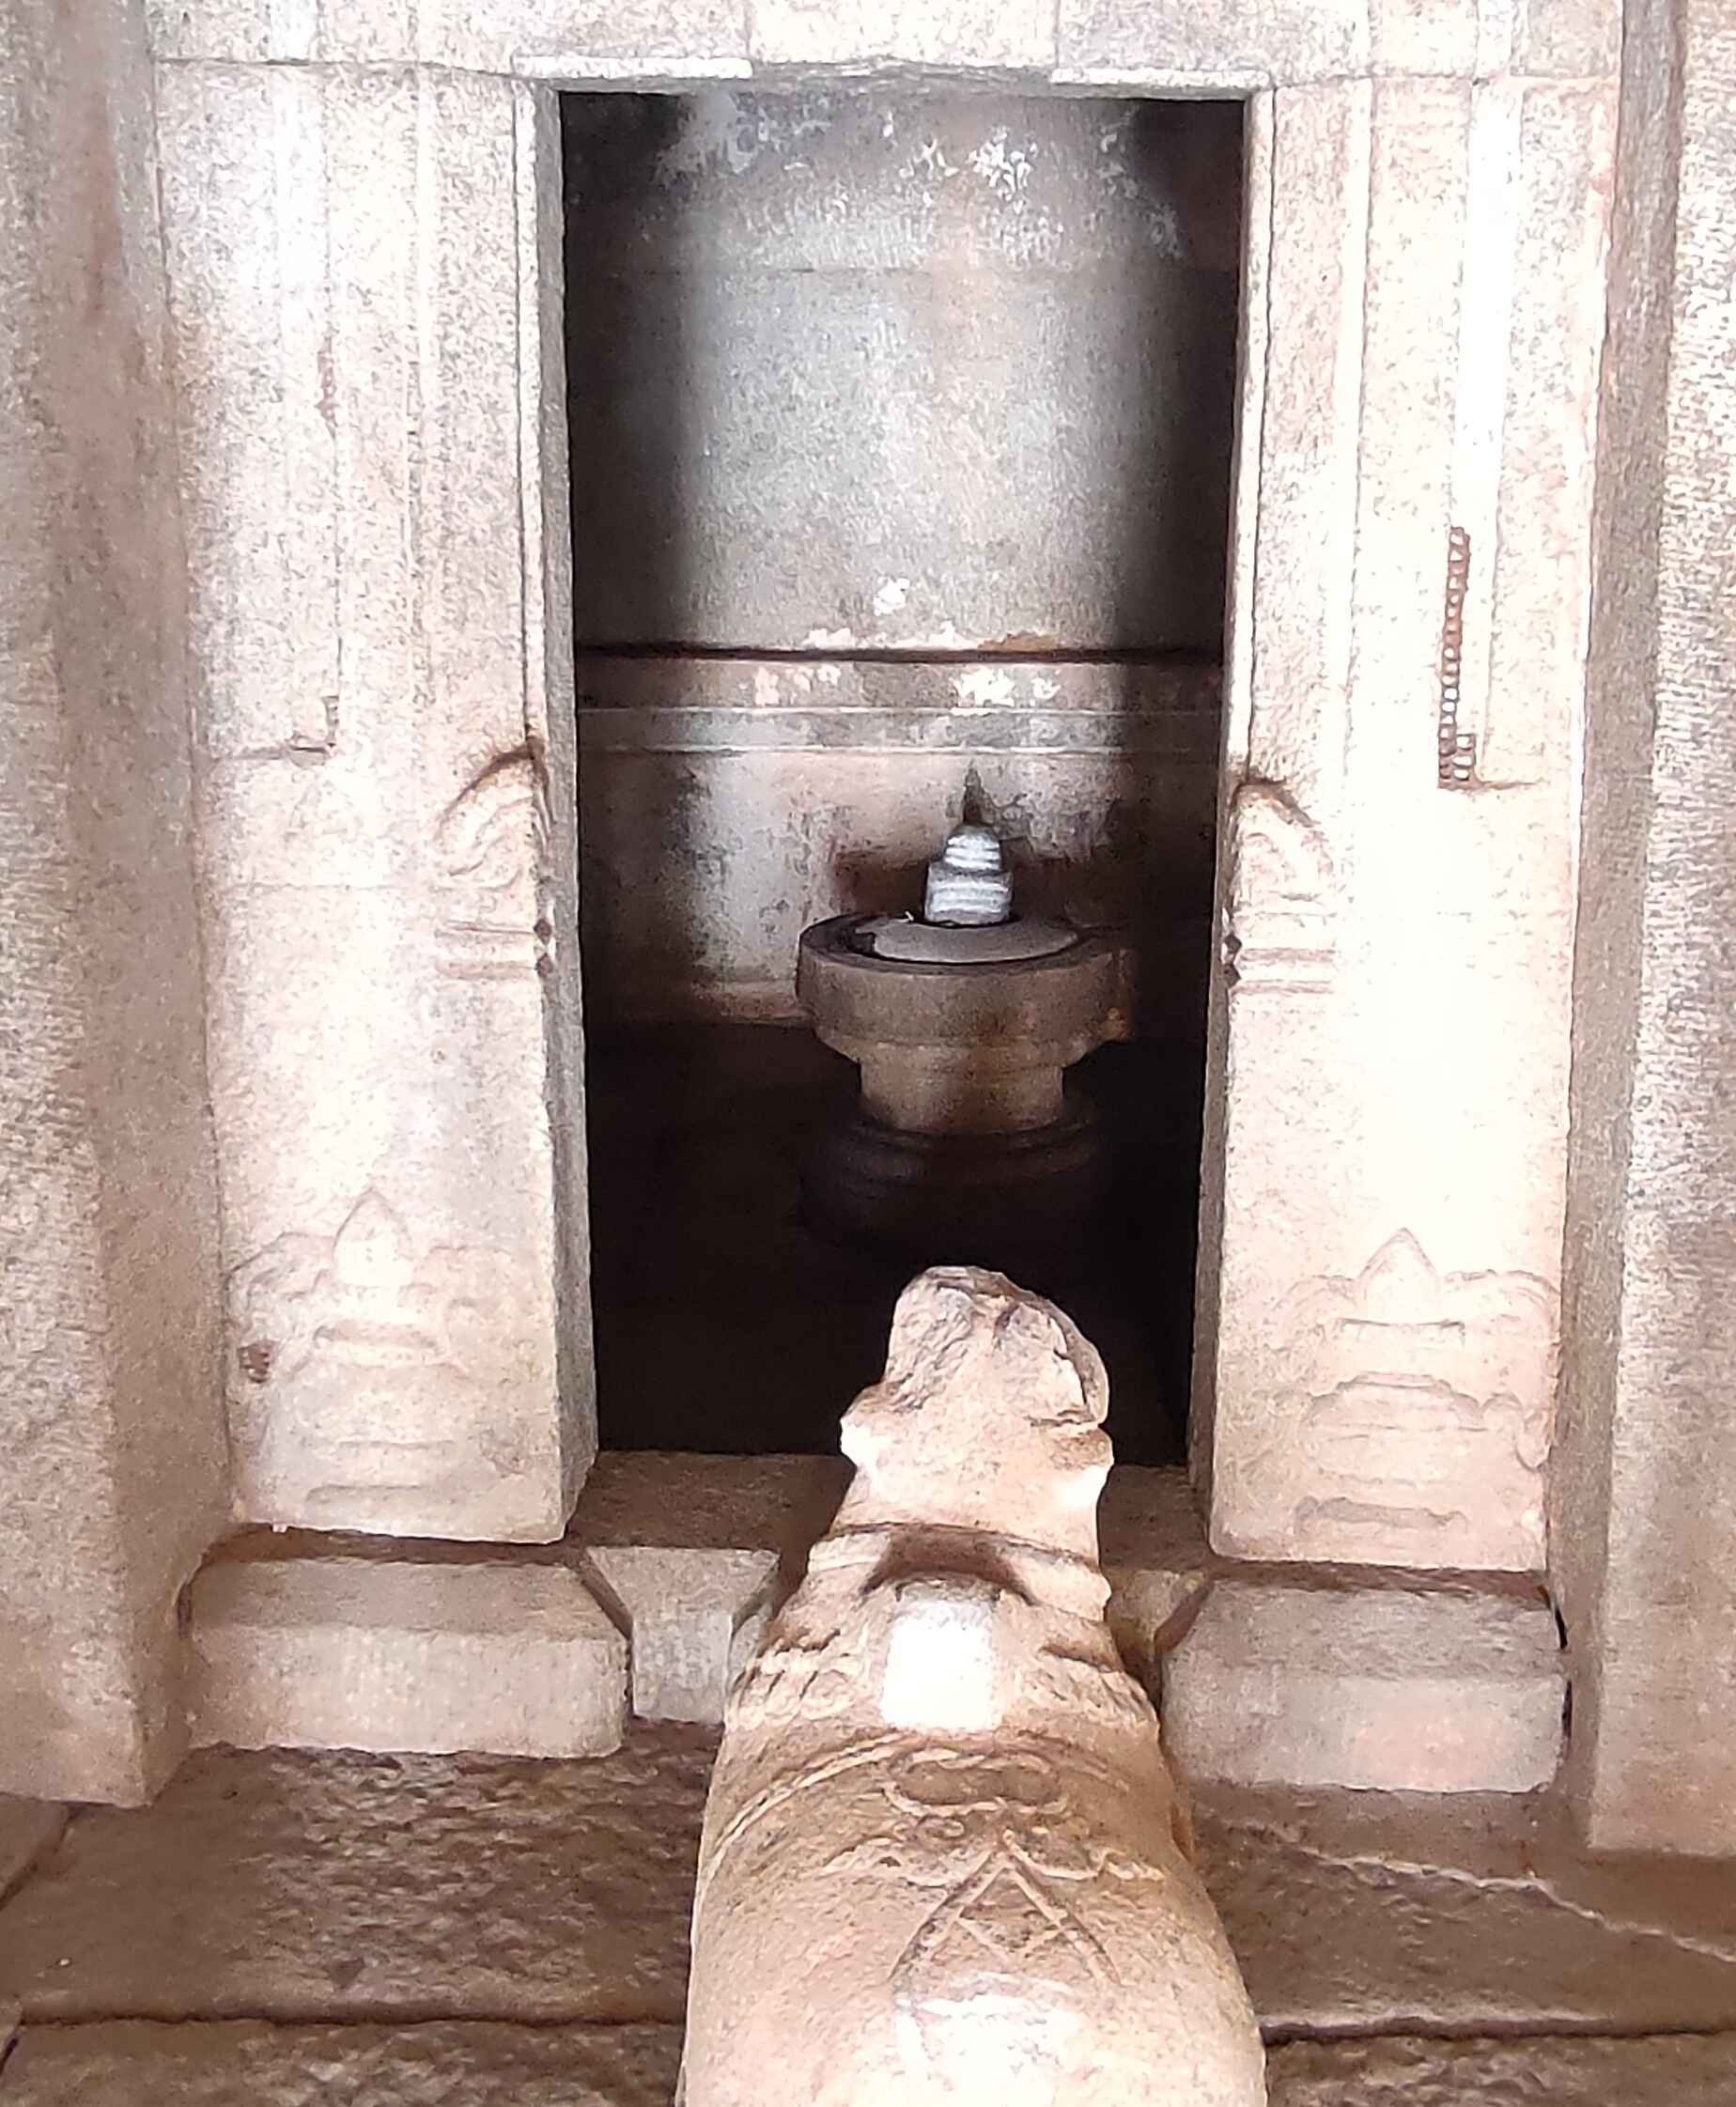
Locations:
{"points": [[29, 1830], [251, 2063], [305, 1888], [1392, 1913], [289, 1887], [485, 2064], [1656, 2070]]}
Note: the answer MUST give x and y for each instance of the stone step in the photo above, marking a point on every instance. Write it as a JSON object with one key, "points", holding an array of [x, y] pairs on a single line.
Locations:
{"points": [[1382, 1682], [674, 1563], [388, 1654], [666, 1577], [1648, 2071], [248, 2063]]}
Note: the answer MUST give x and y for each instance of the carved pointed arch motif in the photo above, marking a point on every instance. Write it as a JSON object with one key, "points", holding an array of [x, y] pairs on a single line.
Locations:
{"points": [[1282, 899], [492, 849]]}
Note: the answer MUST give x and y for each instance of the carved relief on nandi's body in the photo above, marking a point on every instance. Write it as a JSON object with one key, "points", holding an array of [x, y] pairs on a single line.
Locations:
{"points": [[942, 1857]]}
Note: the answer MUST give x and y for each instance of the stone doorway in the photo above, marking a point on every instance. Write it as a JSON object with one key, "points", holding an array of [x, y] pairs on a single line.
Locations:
{"points": [[337, 1208], [902, 428]]}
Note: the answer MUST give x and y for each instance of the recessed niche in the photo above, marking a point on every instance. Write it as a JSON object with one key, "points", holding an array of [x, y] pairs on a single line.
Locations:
{"points": [[900, 446]]}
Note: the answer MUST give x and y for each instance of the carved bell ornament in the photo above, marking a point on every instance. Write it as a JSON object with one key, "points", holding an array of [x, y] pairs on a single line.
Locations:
{"points": [[943, 1857]]}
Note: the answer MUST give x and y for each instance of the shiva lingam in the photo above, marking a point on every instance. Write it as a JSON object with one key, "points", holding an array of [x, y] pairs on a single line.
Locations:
{"points": [[965, 1138], [944, 1859]]}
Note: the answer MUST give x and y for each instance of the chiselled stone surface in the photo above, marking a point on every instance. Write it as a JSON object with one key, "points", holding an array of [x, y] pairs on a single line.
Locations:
{"points": [[1124, 42], [1017, 37], [736, 764], [1154, 1548], [481, 2065], [1378, 1364], [1020, 337], [115, 1468], [690, 1614], [665, 41], [386, 1654], [1156, 1561], [1393, 1687], [379, 616], [1154, 1554], [455, 2064], [1643, 1494], [1119, 43], [1569, 38], [686, 1501], [604, 40], [942, 1856], [296, 1887], [350, 1641], [1418, 1408], [1659, 2071]]}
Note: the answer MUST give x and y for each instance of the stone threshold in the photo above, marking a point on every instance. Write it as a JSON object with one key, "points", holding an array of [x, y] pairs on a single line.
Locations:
{"points": [[674, 1563]]}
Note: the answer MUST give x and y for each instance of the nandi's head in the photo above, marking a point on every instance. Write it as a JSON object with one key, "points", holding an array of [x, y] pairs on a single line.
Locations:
{"points": [[989, 1418]]}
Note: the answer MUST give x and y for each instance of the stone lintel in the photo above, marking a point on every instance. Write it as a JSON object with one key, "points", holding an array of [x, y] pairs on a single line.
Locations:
{"points": [[1210, 47]]}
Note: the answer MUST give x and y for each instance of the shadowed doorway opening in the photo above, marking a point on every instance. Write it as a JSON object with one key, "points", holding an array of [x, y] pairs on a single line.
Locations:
{"points": [[901, 429]]}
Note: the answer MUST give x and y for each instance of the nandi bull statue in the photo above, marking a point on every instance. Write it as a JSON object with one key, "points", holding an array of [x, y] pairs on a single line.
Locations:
{"points": [[944, 1859]]}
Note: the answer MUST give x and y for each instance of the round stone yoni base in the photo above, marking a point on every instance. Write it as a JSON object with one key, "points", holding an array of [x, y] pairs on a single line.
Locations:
{"points": [[1020, 1202]]}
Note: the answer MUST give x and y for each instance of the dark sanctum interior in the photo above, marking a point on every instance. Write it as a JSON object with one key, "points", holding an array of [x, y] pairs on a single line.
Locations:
{"points": [[998, 335]]}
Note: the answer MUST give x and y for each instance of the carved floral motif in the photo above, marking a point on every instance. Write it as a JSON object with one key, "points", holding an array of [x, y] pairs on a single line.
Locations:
{"points": [[1416, 1413]]}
